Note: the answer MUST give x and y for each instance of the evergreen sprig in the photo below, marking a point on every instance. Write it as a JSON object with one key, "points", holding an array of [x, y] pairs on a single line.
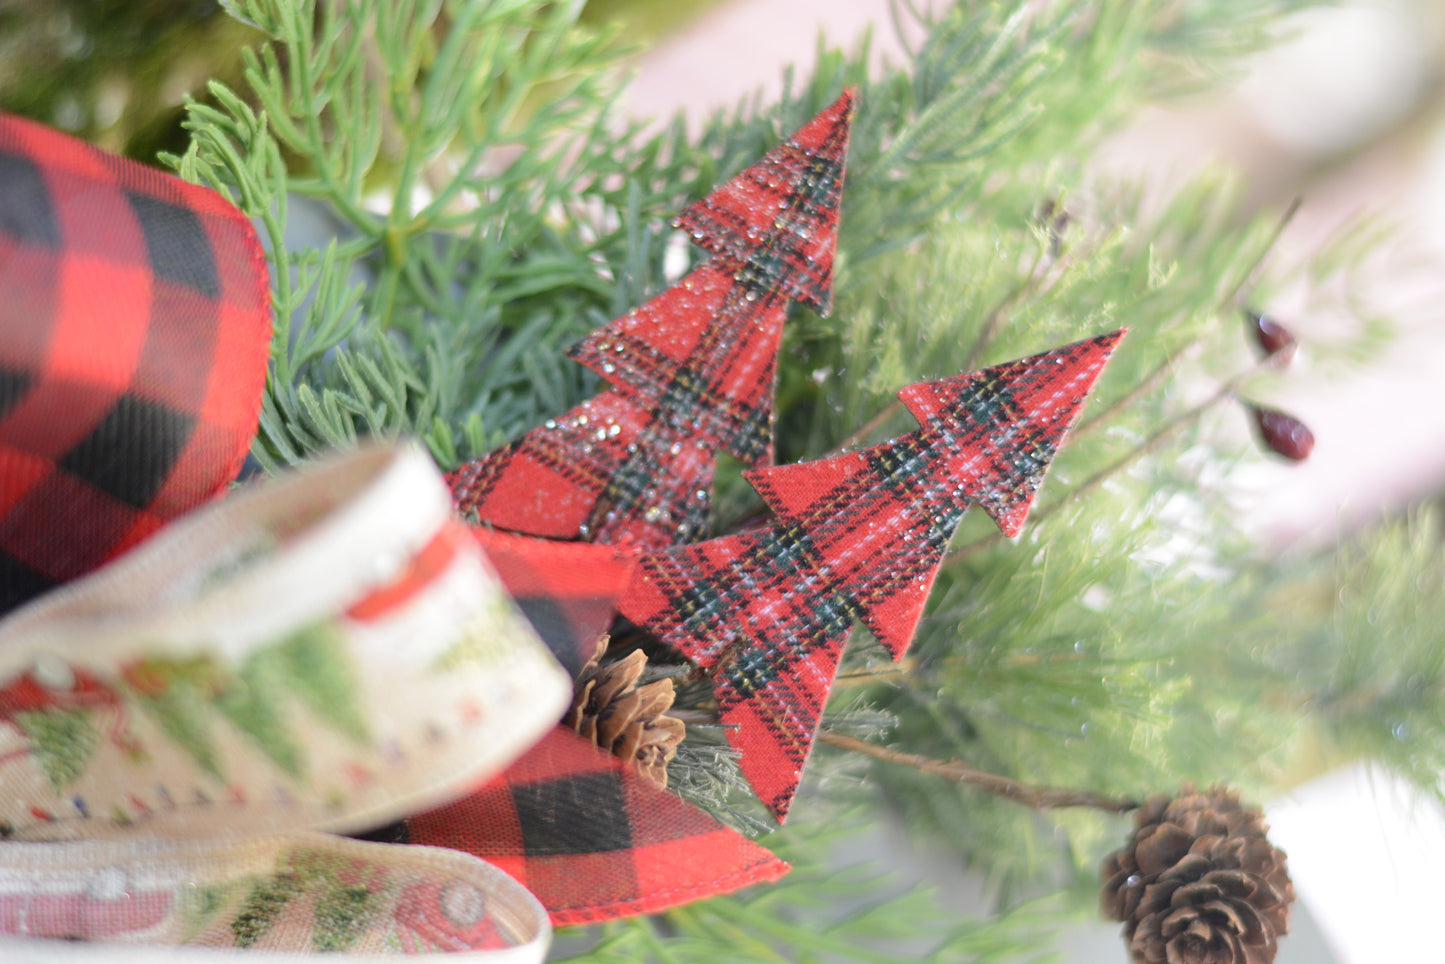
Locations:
{"points": [[827, 909], [435, 136], [1362, 648]]}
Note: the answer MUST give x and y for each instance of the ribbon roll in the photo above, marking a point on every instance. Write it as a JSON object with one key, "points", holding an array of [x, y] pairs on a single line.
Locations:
{"points": [[329, 650], [285, 898], [134, 336]]}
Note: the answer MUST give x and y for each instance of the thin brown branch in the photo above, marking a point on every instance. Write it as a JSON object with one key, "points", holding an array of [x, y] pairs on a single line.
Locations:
{"points": [[697, 717], [1146, 385], [1040, 798], [904, 667], [1274, 237], [1162, 435], [869, 427], [994, 323]]}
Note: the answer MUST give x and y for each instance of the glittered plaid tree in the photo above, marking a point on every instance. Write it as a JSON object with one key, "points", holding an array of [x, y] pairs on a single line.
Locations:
{"points": [[858, 537], [692, 370]]}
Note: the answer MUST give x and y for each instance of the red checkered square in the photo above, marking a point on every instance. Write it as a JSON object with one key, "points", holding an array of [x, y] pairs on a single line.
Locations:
{"points": [[567, 590]]}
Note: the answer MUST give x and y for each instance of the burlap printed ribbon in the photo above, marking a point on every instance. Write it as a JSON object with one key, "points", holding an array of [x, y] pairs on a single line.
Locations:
{"points": [[331, 651], [283, 899]]}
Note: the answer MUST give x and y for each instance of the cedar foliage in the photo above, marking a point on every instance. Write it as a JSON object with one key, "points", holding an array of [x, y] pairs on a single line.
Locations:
{"points": [[488, 209]]}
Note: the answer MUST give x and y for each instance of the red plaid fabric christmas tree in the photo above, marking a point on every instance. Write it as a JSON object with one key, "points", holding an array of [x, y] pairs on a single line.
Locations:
{"points": [[858, 538], [692, 370]]}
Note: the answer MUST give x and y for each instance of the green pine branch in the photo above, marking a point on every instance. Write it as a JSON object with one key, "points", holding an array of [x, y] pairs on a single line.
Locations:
{"points": [[1360, 648], [823, 912], [488, 210]]}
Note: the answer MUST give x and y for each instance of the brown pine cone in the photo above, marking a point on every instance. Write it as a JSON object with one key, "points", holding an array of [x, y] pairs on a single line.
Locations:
{"points": [[1198, 883], [611, 711]]}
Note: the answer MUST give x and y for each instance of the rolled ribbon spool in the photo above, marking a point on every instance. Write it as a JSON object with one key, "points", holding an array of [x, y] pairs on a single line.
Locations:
{"points": [[286, 899], [327, 650]]}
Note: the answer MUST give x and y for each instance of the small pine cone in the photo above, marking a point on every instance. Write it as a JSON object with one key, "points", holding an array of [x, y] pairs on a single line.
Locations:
{"points": [[611, 711], [1198, 883]]}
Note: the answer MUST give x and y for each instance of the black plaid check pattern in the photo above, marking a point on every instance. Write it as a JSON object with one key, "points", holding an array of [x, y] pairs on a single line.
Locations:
{"points": [[134, 336], [592, 839]]}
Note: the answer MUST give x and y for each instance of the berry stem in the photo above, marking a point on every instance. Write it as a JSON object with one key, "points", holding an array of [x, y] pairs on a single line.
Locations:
{"points": [[1040, 798]]}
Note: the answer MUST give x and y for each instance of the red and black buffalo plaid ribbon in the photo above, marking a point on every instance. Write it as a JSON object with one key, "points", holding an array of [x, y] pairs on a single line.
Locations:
{"points": [[581, 829], [134, 332], [693, 369], [592, 839], [567, 590], [857, 537]]}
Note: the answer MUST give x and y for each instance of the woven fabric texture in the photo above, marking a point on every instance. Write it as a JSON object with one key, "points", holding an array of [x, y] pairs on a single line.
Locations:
{"points": [[693, 369], [778, 219], [326, 650], [567, 590], [857, 537], [592, 839], [134, 335], [302, 893]]}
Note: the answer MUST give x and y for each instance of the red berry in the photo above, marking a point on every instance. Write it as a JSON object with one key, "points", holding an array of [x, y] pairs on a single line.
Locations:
{"points": [[1284, 434], [1274, 339]]}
